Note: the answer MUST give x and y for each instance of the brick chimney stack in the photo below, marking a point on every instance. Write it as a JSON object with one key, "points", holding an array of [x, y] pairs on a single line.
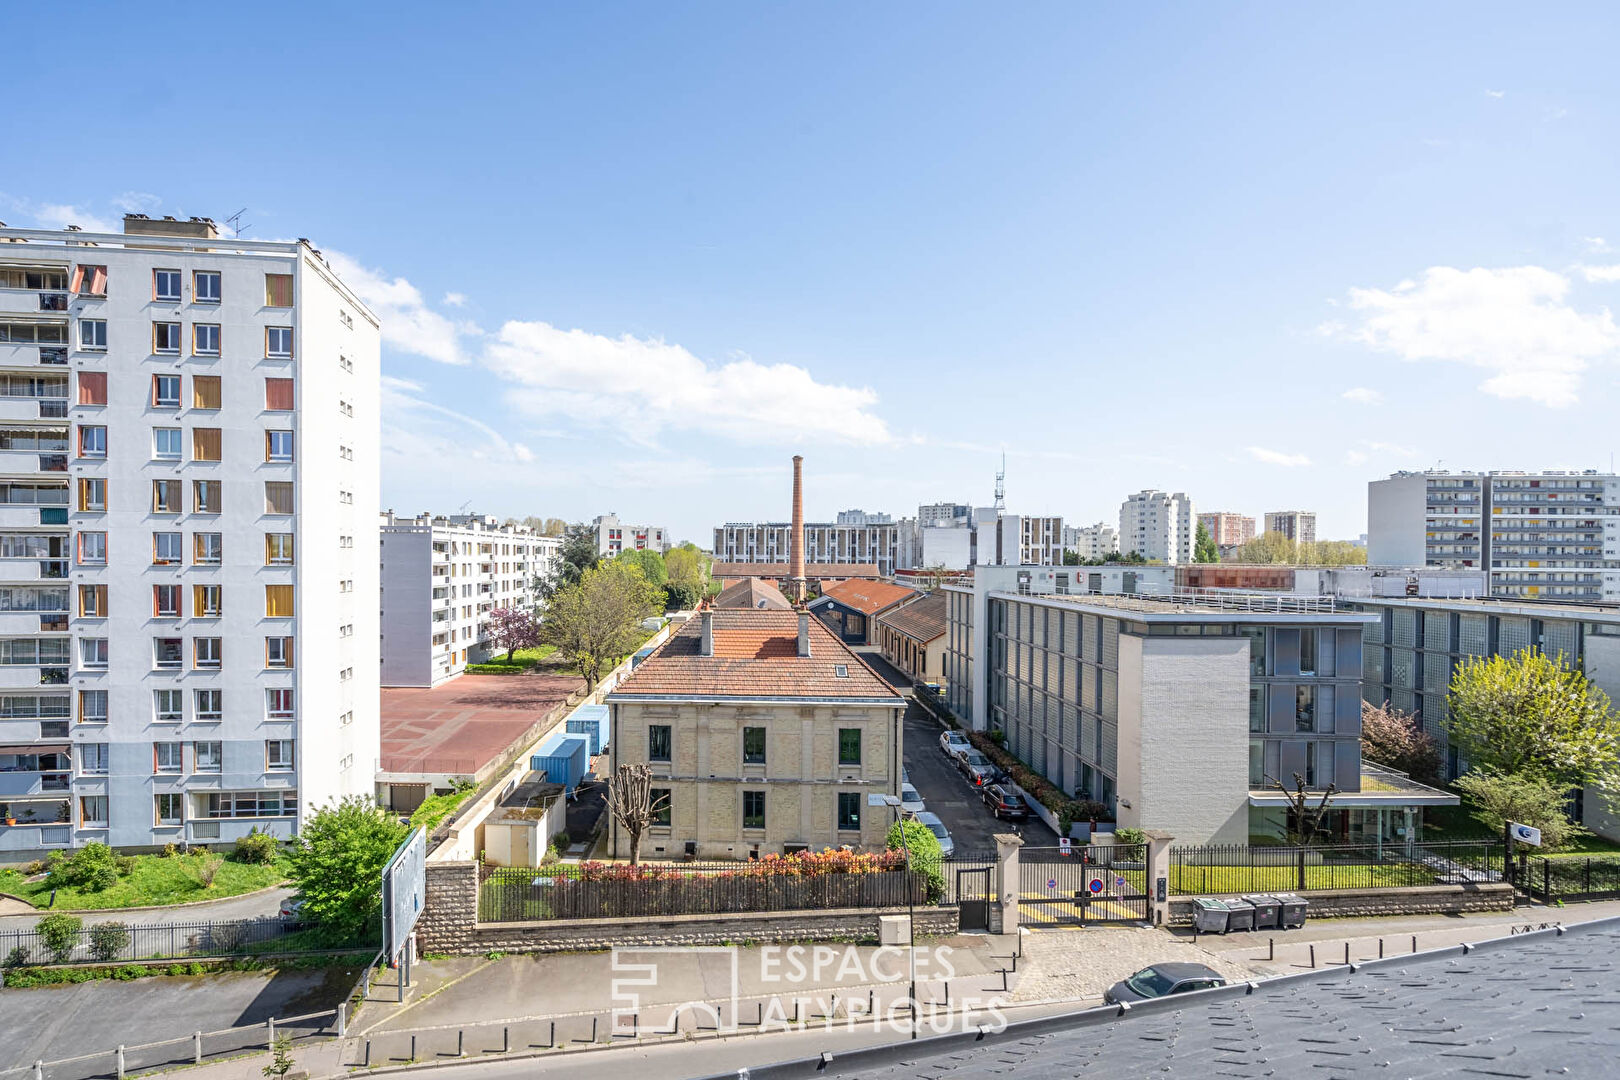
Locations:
{"points": [[796, 582]]}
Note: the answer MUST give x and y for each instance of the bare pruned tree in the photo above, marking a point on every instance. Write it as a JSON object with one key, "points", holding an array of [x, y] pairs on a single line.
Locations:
{"points": [[1307, 821], [631, 802]]}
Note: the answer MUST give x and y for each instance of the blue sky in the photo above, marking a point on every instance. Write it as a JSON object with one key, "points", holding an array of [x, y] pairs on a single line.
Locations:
{"points": [[633, 257]]}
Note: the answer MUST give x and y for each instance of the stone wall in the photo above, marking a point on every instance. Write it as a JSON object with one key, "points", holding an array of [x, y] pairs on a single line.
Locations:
{"points": [[449, 924], [1360, 903]]}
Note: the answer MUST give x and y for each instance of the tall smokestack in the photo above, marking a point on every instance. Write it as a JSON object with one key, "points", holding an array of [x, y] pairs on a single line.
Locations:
{"points": [[796, 582]]}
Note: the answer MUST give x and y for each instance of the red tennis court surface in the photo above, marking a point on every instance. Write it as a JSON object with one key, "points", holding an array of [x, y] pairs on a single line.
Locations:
{"points": [[467, 724]]}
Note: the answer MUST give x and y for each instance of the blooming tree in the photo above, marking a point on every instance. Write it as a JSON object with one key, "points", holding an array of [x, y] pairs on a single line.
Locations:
{"points": [[512, 629]]}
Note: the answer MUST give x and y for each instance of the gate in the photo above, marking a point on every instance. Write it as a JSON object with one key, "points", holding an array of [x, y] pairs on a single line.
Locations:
{"points": [[972, 892], [1100, 883]]}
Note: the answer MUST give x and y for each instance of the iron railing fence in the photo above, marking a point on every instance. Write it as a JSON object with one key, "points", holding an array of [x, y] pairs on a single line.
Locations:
{"points": [[1571, 877], [1241, 868], [110, 940]]}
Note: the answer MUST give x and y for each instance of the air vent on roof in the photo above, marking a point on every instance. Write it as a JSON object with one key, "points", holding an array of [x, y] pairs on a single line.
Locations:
{"points": [[841, 670]]}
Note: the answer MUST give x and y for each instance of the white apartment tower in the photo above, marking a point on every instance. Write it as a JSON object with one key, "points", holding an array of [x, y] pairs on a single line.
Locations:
{"points": [[187, 556], [1297, 525], [1092, 541], [441, 578], [1158, 525], [613, 536]]}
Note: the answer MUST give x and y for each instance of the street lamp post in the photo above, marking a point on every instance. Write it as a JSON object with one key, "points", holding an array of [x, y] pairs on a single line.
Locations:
{"points": [[893, 802]]}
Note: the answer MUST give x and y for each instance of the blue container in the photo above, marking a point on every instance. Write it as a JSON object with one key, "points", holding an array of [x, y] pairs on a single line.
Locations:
{"points": [[564, 759], [592, 722]]}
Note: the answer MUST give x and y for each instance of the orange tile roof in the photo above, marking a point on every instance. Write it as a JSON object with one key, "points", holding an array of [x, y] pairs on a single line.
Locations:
{"points": [[752, 593], [923, 620], [756, 657], [868, 597]]}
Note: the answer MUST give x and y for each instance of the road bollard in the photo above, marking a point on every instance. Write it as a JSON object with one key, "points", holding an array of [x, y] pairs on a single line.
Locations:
{"points": [[413, 1047], [120, 1053], [1380, 948], [552, 1045], [1313, 955], [368, 1054], [39, 1070], [461, 1043], [1347, 954], [1271, 948], [506, 1040], [196, 1048], [1414, 943], [270, 1026]]}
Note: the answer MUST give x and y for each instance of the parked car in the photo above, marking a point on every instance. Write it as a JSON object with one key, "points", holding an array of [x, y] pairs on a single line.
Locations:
{"points": [[910, 801], [1005, 803], [954, 743], [937, 827], [977, 768], [1161, 980]]}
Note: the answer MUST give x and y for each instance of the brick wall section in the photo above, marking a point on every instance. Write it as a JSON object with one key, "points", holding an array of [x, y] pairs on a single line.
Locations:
{"points": [[1361, 903], [449, 924]]}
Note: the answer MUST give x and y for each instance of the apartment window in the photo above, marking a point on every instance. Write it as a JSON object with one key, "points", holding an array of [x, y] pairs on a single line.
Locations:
{"points": [[247, 804], [278, 395], [92, 706], [1310, 764], [659, 799], [205, 391], [207, 548], [205, 286], [205, 652], [92, 494], [278, 755], [278, 446], [205, 496], [278, 290], [849, 810], [278, 497], [166, 391], [92, 601], [753, 746], [206, 602], [208, 756], [278, 703], [166, 338], [168, 808], [205, 339], [210, 704], [1257, 763], [205, 444], [658, 742], [92, 549], [278, 601], [166, 443], [93, 758], [849, 746], [166, 548], [93, 334], [92, 440], [89, 280], [169, 757], [166, 601], [1307, 652], [278, 549], [168, 652], [166, 286], [92, 388], [165, 496], [1257, 708], [753, 809], [1304, 708], [278, 342], [93, 652], [278, 652], [93, 811]]}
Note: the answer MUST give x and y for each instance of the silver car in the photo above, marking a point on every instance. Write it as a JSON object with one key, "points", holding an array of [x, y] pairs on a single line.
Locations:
{"points": [[910, 801], [937, 827]]}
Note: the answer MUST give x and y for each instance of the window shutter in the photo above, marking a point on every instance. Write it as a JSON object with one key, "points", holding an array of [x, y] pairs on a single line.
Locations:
{"points": [[278, 601], [78, 278], [92, 388], [205, 391], [278, 394], [278, 290], [205, 444]]}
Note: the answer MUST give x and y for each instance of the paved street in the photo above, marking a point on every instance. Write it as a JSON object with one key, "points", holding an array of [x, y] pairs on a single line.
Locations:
{"points": [[251, 906], [949, 794]]}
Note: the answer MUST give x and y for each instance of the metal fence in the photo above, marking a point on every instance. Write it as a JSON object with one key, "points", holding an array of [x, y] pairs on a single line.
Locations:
{"points": [[567, 891], [111, 940], [1570, 877], [1239, 868]]}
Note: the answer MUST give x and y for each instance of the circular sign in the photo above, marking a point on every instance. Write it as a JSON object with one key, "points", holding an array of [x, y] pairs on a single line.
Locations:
{"points": [[1119, 881], [1096, 885], [1051, 883]]}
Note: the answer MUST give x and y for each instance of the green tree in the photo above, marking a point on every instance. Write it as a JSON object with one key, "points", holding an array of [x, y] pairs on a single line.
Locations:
{"points": [[1204, 546], [597, 621], [337, 862], [1528, 800], [651, 563], [59, 933], [682, 596], [688, 566], [1071, 557], [108, 939], [281, 1059], [1533, 715], [578, 555], [926, 855], [1269, 549]]}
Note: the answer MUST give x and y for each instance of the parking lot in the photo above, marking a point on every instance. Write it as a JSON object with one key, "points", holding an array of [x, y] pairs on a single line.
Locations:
{"points": [[957, 802]]}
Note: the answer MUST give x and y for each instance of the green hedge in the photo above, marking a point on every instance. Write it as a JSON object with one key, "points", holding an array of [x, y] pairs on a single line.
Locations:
{"points": [[1037, 786]]}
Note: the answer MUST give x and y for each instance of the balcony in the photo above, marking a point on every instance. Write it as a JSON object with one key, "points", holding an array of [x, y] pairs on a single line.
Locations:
{"points": [[32, 301]]}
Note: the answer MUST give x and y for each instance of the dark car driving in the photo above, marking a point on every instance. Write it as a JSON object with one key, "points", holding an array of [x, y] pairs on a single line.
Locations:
{"points": [[1004, 803], [1161, 980]]}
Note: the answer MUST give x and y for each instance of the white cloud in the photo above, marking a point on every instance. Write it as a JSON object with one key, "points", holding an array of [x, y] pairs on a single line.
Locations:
{"points": [[1595, 243], [138, 202], [38, 215], [1278, 457], [1355, 457], [1498, 94], [640, 387], [1514, 322], [1389, 448], [408, 324], [1602, 275], [455, 299], [1363, 395], [417, 433]]}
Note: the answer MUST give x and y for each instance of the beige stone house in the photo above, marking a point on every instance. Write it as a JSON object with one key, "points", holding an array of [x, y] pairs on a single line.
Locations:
{"points": [[766, 733], [912, 638]]}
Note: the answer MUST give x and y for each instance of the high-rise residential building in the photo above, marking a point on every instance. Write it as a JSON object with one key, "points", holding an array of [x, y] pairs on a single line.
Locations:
{"points": [[1158, 525], [441, 578], [612, 536], [824, 543], [863, 517], [191, 448], [1548, 535], [1227, 529], [1092, 541], [944, 515], [1297, 525], [1040, 539]]}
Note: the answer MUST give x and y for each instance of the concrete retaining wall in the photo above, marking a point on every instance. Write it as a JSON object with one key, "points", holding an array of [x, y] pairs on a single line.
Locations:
{"points": [[1361, 903]]}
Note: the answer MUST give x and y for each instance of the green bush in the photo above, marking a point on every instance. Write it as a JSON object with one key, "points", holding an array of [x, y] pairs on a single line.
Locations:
{"points": [[1130, 836], [916, 838], [337, 863], [256, 847], [15, 958], [560, 842], [92, 868], [108, 939], [60, 934]]}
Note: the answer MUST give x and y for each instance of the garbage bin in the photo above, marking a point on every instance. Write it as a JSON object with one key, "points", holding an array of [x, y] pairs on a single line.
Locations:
{"points": [[1267, 911], [1209, 915], [1292, 916], [1239, 915]]}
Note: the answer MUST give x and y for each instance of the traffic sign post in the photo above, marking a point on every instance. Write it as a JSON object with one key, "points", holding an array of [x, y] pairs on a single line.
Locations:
{"points": [[1064, 845]]}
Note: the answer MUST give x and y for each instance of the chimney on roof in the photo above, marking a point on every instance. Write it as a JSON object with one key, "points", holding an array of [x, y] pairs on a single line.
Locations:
{"points": [[796, 582], [804, 633], [708, 632]]}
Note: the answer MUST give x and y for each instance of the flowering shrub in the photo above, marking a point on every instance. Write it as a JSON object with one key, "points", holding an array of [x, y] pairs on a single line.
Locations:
{"points": [[805, 864]]}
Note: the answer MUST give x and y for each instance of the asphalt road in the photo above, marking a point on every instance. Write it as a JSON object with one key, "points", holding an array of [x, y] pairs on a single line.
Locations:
{"points": [[251, 906], [957, 802]]}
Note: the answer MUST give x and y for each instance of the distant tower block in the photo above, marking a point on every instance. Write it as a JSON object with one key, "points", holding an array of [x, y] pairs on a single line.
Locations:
{"points": [[797, 588]]}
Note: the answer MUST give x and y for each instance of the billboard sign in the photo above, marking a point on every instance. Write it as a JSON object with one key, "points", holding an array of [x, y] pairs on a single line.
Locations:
{"points": [[404, 888]]}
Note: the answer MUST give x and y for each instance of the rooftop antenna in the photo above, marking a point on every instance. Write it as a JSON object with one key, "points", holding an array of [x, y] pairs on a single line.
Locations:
{"points": [[235, 222], [464, 506], [1001, 486]]}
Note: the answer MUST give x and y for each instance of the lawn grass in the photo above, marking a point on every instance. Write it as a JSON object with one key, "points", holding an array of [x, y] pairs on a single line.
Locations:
{"points": [[1583, 846], [435, 808], [155, 880], [1195, 880]]}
